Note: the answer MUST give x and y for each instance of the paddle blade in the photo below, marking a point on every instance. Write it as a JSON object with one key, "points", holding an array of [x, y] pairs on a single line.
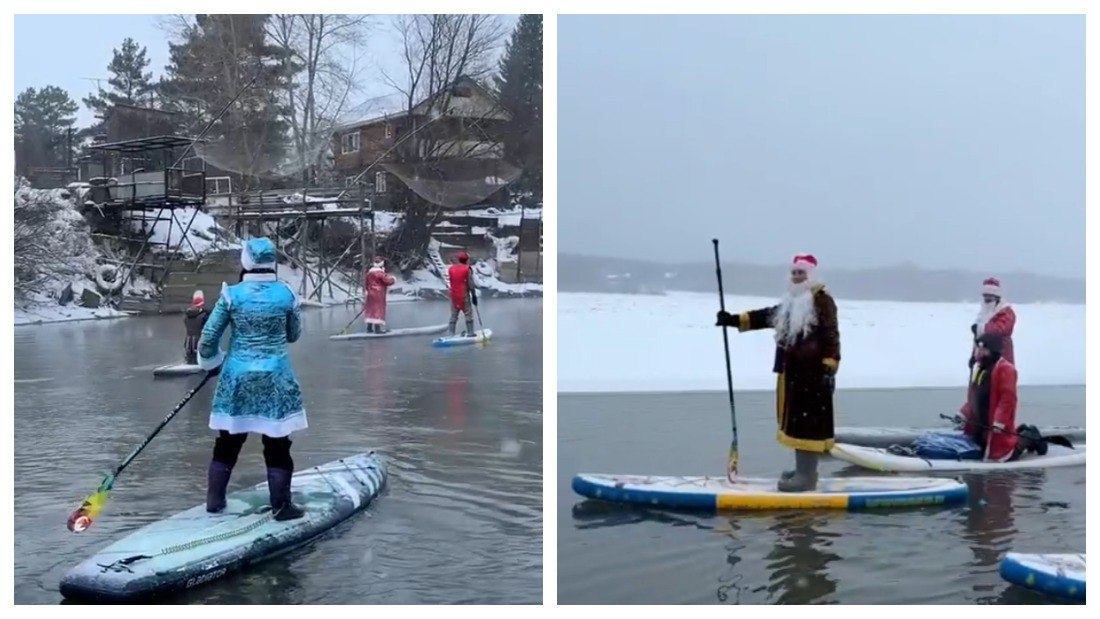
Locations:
{"points": [[731, 468], [85, 515]]}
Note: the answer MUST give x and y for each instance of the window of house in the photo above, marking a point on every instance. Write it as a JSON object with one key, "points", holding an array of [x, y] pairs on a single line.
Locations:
{"points": [[379, 182], [389, 130], [216, 185], [193, 164], [351, 181], [349, 142]]}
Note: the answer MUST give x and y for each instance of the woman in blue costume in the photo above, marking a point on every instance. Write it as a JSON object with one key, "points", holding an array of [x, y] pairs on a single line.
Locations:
{"points": [[257, 390]]}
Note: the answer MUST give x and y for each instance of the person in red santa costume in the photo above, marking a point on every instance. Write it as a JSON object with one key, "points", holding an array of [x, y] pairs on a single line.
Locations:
{"points": [[463, 293], [807, 356], [376, 284], [989, 414], [995, 317]]}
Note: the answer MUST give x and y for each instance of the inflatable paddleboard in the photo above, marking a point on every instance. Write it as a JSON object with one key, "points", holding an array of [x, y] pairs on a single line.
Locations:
{"points": [[479, 337], [194, 547], [1059, 575], [718, 493], [885, 437], [878, 459], [180, 369], [363, 335]]}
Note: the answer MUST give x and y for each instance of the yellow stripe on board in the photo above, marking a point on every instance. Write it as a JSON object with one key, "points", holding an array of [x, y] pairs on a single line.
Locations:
{"points": [[791, 501]]}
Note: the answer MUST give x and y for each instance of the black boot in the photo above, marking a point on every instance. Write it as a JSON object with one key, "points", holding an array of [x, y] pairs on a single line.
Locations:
{"points": [[278, 485], [469, 329], [217, 480]]}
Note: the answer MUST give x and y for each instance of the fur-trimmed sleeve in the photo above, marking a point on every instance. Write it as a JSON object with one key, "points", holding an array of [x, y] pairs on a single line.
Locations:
{"points": [[757, 319], [828, 329]]}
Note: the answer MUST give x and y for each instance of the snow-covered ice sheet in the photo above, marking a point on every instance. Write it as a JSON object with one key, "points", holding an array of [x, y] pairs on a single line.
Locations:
{"points": [[609, 343]]}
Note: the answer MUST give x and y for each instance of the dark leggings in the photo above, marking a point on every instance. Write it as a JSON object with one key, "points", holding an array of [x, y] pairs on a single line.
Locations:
{"points": [[276, 450]]}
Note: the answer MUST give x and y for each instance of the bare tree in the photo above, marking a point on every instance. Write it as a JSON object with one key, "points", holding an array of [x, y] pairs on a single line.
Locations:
{"points": [[325, 51], [436, 50]]}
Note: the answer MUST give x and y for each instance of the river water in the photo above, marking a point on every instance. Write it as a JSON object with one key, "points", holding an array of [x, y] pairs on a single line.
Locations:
{"points": [[622, 555], [460, 520]]}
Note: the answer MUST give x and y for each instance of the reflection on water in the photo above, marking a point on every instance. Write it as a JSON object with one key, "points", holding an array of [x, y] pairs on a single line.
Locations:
{"points": [[460, 520], [929, 555]]}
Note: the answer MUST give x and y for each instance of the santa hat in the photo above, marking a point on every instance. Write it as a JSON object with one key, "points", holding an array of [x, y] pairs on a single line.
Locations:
{"points": [[378, 262], [805, 262], [463, 257], [992, 286], [258, 253], [197, 299]]}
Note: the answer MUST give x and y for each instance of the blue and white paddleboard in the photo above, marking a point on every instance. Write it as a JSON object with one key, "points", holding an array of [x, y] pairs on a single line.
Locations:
{"points": [[719, 493], [878, 459], [195, 547], [885, 437], [392, 333], [1057, 575], [479, 337]]}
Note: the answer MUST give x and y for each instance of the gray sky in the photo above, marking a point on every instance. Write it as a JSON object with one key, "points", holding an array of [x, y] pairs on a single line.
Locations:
{"points": [[62, 50], [943, 141]]}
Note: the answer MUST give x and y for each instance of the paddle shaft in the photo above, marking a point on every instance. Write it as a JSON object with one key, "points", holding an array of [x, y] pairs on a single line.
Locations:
{"points": [[356, 317], [731, 470], [149, 439], [477, 310]]}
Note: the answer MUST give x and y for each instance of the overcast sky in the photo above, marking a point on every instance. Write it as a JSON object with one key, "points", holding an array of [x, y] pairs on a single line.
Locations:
{"points": [[70, 50], [943, 141]]}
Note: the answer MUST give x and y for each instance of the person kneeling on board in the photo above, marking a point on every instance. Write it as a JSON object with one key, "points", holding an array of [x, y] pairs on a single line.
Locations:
{"points": [[376, 284], [194, 319], [463, 293], [807, 356], [989, 415], [257, 389]]}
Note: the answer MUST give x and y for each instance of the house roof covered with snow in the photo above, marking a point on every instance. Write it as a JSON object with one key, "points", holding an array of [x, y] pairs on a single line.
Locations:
{"points": [[395, 105]]}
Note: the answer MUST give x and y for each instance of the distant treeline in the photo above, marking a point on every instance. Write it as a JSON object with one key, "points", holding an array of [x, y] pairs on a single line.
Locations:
{"points": [[578, 273]]}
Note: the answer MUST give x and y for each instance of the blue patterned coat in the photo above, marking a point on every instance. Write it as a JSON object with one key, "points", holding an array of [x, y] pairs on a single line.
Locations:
{"points": [[257, 390]]}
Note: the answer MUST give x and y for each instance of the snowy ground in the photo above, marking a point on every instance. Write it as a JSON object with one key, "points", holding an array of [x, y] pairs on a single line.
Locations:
{"points": [[610, 343], [203, 236], [56, 313]]}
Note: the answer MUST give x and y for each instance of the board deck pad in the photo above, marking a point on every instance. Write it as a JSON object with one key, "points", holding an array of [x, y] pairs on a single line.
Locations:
{"points": [[179, 369], [878, 459], [480, 337], [1061, 575], [194, 547], [718, 493], [363, 335], [885, 437]]}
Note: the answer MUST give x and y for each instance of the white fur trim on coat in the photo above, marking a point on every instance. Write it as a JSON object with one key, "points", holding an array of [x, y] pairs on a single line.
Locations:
{"points": [[212, 364]]}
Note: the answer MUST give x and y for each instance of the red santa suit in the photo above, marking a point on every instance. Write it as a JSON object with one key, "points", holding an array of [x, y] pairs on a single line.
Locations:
{"points": [[990, 411], [998, 319], [376, 284]]}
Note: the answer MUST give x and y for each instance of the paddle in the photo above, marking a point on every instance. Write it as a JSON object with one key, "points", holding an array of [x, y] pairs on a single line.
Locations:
{"points": [[473, 299], [348, 326], [731, 469], [1056, 439], [84, 515]]}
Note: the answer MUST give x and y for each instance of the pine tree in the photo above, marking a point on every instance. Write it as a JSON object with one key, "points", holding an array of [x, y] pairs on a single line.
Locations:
{"points": [[520, 89], [222, 58], [130, 83], [43, 119]]}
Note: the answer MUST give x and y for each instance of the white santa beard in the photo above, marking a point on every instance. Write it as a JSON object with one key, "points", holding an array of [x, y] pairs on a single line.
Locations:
{"points": [[986, 313], [796, 314]]}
